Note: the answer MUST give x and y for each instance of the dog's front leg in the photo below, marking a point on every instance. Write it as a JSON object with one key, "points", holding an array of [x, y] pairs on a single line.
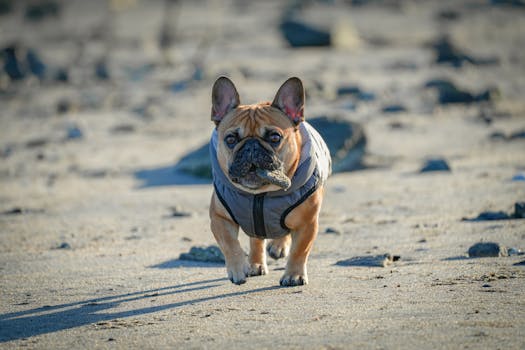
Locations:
{"points": [[226, 233]]}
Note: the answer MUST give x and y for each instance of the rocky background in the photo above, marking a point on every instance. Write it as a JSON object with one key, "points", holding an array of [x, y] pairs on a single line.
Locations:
{"points": [[104, 177]]}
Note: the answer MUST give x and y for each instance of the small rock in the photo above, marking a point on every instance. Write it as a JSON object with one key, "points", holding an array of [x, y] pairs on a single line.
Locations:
{"points": [[63, 245], [74, 133], [448, 15], [487, 249], [35, 64], [301, 34], [13, 211], [13, 66], [447, 53], [41, 9], [332, 230], [393, 109], [5, 7], [436, 164], [210, 254], [369, 260], [448, 93], [62, 75], [517, 135], [123, 129], [63, 106], [177, 212], [514, 251], [101, 70], [519, 210], [35, 143], [520, 263], [489, 216]]}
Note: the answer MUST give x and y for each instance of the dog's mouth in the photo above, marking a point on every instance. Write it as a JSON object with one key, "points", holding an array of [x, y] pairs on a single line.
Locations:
{"points": [[255, 166], [256, 178]]}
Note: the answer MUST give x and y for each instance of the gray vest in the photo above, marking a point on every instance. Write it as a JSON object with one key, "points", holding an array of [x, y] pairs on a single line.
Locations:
{"points": [[263, 215]]}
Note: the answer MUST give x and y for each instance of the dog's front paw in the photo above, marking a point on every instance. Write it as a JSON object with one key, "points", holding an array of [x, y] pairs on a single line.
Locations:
{"points": [[237, 272], [279, 248], [293, 280]]}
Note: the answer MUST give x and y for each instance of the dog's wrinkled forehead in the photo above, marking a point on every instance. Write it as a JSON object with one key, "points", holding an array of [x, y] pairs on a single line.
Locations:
{"points": [[254, 120]]}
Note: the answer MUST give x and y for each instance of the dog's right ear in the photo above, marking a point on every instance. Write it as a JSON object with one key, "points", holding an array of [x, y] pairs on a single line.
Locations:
{"points": [[224, 98]]}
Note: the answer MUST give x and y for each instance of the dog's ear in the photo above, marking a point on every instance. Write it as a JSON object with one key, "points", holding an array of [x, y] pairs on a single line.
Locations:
{"points": [[290, 100], [224, 98]]}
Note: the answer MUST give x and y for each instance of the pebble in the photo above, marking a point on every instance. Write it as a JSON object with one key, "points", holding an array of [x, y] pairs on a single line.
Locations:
{"points": [[35, 64], [369, 260], [519, 210], [74, 133], [489, 216], [393, 109], [435, 164], [210, 254], [331, 230], [63, 245], [12, 65], [101, 70], [39, 10], [448, 93], [487, 249], [447, 53], [520, 263], [123, 129], [301, 34], [177, 212]]}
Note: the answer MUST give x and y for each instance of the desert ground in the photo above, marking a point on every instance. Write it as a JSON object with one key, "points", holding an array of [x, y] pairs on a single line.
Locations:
{"points": [[94, 214]]}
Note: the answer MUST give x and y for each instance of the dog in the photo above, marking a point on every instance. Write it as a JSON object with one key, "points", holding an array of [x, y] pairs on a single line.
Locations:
{"points": [[269, 169]]}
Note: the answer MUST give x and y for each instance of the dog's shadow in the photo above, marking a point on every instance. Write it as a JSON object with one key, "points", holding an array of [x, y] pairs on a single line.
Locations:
{"points": [[54, 318]]}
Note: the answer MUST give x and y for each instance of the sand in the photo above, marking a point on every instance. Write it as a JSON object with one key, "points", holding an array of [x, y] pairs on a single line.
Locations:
{"points": [[89, 246]]}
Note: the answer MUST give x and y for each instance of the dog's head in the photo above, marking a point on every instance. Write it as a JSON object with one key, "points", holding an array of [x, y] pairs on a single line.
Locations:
{"points": [[259, 145]]}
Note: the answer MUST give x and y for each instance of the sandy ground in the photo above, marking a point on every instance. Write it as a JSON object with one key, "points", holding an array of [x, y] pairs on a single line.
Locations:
{"points": [[91, 258]]}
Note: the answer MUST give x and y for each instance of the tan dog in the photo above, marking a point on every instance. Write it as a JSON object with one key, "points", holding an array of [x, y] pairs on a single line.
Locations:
{"points": [[269, 168]]}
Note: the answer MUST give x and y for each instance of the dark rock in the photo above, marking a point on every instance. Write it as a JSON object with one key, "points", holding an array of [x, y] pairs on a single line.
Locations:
{"points": [[517, 135], [393, 109], [13, 66], [123, 129], [63, 106], [101, 70], [487, 249], [520, 263], [519, 210], [515, 3], [5, 7], [177, 212], [62, 75], [35, 64], [39, 10], [490, 216], [211, 254], [300, 34], [74, 133], [447, 53], [331, 230], [13, 211], [35, 143], [382, 260], [449, 93], [448, 15], [355, 91], [519, 177], [63, 245], [437, 164]]}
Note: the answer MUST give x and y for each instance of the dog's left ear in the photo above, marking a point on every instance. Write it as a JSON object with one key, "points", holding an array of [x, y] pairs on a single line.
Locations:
{"points": [[224, 98], [290, 100]]}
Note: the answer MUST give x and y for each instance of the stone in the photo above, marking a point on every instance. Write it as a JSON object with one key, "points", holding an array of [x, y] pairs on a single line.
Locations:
{"points": [[211, 254], [302, 34], [448, 93], [35, 64], [13, 66], [519, 210], [487, 249], [447, 53], [435, 164], [489, 216], [395, 108], [39, 10], [382, 260]]}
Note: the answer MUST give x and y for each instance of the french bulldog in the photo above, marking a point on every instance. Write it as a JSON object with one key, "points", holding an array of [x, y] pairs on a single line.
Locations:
{"points": [[269, 168]]}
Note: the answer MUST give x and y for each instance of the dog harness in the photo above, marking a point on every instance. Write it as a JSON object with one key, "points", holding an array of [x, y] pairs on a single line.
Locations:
{"points": [[263, 215]]}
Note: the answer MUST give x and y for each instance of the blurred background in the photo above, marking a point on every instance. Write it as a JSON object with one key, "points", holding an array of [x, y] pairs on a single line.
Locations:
{"points": [[130, 80]]}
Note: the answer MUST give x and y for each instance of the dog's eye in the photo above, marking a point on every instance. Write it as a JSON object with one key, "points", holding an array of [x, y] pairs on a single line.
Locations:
{"points": [[231, 140], [274, 137]]}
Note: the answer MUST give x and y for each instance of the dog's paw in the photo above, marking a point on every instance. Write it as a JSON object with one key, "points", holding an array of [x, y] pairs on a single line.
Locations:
{"points": [[258, 270], [279, 248], [293, 280], [237, 273]]}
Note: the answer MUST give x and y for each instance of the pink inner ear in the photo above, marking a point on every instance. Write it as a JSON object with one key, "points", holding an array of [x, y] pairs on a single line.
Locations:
{"points": [[295, 114]]}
